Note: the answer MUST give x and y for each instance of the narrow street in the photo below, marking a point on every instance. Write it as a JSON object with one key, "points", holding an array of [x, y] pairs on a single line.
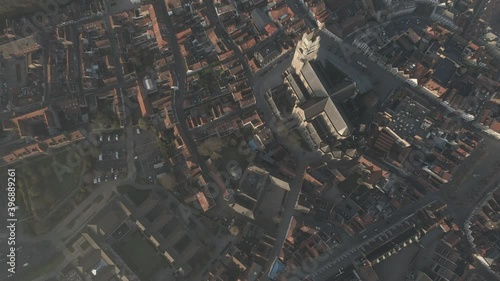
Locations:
{"points": [[344, 255], [180, 115], [476, 177], [116, 54], [286, 219], [222, 33], [259, 86]]}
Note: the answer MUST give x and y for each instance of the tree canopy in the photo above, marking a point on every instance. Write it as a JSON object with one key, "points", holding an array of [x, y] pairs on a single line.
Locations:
{"points": [[210, 146]]}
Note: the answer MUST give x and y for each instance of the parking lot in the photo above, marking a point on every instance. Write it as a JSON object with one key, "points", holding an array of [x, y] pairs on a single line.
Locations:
{"points": [[112, 159], [408, 118], [146, 153]]}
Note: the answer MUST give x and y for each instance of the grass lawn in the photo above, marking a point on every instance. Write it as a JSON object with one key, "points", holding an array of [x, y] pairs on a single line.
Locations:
{"points": [[45, 268], [60, 214], [80, 196], [46, 181], [136, 196], [140, 255], [232, 153]]}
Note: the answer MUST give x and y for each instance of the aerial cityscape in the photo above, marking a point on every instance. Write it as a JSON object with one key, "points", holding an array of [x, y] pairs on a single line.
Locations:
{"points": [[250, 140]]}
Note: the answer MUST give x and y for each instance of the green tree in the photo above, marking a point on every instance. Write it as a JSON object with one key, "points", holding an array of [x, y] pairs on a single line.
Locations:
{"points": [[210, 145], [143, 123], [215, 156], [101, 121]]}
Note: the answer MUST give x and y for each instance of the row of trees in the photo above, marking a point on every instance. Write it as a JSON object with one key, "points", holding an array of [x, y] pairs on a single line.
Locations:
{"points": [[102, 122], [10, 9]]}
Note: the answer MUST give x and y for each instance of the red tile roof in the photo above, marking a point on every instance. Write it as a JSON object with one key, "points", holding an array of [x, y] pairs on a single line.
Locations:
{"points": [[271, 28], [205, 206], [282, 13], [144, 102], [248, 44]]}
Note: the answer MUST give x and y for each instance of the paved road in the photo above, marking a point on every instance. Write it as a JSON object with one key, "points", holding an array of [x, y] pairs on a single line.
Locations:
{"points": [[301, 12], [260, 85], [266, 79], [79, 217], [478, 11], [476, 177], [179, 112], [116, 53], [346, 57], [222, 33], [288, 208], [77, 59], [348, 251], [390, 82], [180, 70], [393, 26]]}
